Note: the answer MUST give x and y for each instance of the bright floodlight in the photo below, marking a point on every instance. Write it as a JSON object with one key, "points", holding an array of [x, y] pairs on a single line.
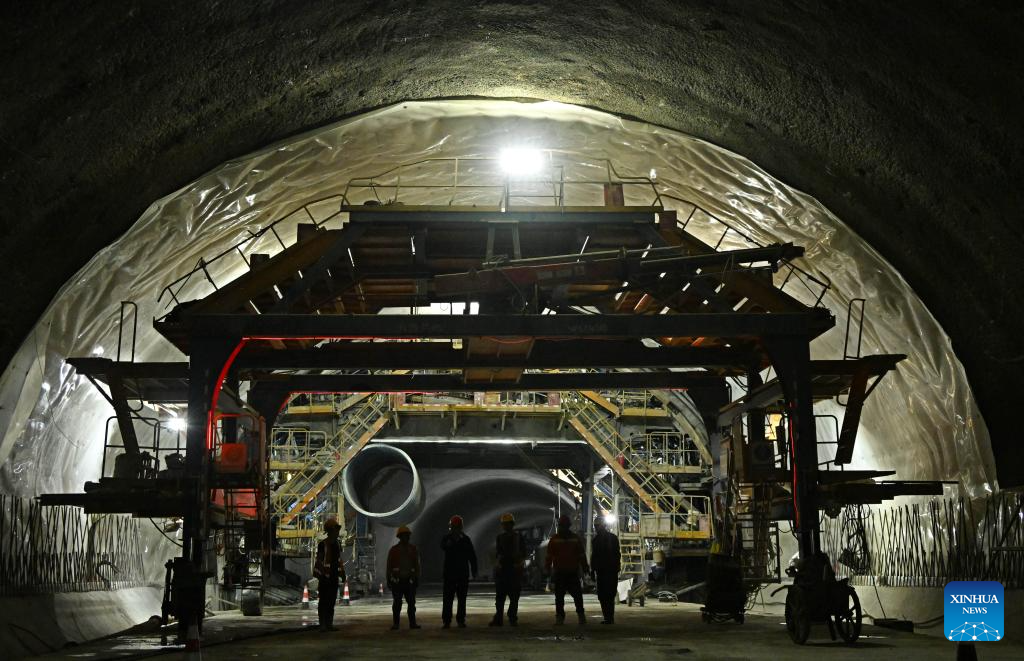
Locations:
{"points": [[610, 520], [521, 162], [176, 424]]}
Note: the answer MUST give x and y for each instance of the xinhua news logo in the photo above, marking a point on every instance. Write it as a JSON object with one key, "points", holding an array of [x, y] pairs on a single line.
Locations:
{"points": [[974, 611]]}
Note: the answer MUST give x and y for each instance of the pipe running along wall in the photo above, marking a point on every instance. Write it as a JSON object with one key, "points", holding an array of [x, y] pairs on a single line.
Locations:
{"points": [[369, 485]]}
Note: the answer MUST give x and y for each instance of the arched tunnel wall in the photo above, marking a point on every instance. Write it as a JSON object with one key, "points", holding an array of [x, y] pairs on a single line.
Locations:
{"points": [[902, 119], [480, 497], [923, 420]]}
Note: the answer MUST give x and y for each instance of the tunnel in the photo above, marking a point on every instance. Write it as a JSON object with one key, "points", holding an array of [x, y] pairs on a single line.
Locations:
{"points": [[404, 501], [140, 140]]}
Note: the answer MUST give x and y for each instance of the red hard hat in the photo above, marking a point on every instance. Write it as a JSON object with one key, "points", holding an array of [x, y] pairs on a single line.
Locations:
{"points": [[564, 520], [455, 521]]}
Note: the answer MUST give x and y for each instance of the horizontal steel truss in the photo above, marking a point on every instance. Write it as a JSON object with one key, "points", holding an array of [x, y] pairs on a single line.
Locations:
{"points": [[808, 325], [289, 383], [441, 355]]}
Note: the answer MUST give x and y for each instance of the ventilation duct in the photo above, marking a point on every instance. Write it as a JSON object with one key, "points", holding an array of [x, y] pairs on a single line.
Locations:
{"points": [[382, 475]]}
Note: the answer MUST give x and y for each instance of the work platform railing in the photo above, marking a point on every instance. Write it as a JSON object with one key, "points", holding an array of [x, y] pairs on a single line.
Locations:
{"points": [[323, 465], [484, 182], [310, 460], [292, 448], [668, 452], [496, 192]]}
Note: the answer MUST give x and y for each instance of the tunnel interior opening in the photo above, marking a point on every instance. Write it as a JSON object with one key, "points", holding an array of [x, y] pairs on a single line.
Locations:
{"points": [[922, 419], [934, 433]]}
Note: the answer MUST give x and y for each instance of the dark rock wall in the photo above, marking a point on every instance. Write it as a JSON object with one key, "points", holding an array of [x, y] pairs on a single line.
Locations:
{"points": [[903, 118]]}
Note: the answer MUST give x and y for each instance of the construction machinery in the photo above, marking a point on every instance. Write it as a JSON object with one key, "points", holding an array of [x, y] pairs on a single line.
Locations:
{"points": [[580, 289]]}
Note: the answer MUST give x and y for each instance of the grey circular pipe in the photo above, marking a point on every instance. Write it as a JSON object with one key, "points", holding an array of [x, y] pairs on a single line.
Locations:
{"points": [[373, 459]]}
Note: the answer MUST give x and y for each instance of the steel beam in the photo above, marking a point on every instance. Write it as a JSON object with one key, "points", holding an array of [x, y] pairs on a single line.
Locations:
{"points": [[807, 325], [455, 383], [318, 272], [440, 355], [792, 360], [415, 215]]}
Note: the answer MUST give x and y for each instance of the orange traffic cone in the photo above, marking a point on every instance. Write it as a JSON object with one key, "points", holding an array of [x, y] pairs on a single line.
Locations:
{"points": [[305, 598], [192, 649], [344, 596]]}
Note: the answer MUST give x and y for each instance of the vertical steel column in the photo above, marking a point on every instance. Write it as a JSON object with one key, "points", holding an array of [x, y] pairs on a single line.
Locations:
{"points": [[230, 425], [791, 357], [208, 359], [755, 418], [588, 506]]}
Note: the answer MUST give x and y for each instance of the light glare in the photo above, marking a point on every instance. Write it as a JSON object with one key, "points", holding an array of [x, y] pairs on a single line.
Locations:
{"points": [[521, 162]]}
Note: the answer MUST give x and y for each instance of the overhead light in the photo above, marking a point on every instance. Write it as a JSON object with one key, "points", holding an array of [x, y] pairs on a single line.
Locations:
{"points": [[610, 520], [176, 424], [519, 162]]}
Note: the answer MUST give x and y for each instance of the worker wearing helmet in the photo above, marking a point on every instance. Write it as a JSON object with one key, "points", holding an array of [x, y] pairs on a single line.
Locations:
{"points": [[403, 577], [605, 563], [459, 562], [329, 570], [508, 571], [565, 558]]}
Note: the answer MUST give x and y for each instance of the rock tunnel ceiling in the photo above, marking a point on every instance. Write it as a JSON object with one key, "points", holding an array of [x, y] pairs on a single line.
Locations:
{"points": [[904, 123]]}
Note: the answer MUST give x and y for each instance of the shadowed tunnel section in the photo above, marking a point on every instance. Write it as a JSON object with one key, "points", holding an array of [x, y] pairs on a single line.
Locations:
{"points": [[480, 497], [903, 121]]}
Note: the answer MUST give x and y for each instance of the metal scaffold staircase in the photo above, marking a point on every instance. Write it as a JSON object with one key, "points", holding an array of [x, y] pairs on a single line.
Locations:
{"points": [[669, 515], [323, 465], [631, 555], [600, 432]]}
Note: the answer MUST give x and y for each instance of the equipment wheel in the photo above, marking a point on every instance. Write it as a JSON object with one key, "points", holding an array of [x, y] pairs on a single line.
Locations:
{"points": [[848, 617], [798, 617]]}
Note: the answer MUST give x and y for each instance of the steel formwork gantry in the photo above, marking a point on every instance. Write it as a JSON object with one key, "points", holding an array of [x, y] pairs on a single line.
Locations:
{"points": [[570, 298]]}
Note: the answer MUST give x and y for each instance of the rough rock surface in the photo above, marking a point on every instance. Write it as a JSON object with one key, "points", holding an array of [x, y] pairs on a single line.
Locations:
{"points": [[904, 118]]}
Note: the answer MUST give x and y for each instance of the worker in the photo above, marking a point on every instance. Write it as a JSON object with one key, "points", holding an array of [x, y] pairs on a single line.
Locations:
{"points": [[403, 577], [459, 563], [329, 570], [508, 571], [604, 567], [565, 558]]}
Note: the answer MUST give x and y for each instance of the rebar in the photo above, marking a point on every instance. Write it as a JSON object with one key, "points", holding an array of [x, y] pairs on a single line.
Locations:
{"points": [[45, 550], [930, 544]]}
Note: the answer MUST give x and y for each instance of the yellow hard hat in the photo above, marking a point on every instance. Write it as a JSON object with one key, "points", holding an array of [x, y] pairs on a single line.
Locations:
{"points": [[403, 530], [508, 518]]}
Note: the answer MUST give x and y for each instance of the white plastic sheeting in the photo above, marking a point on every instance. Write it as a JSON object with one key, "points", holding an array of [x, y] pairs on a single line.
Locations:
{"points": [[922, 421]]}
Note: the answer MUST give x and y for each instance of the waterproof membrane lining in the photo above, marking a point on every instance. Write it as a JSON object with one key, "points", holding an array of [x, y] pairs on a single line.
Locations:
{"points": [[921, 421]]}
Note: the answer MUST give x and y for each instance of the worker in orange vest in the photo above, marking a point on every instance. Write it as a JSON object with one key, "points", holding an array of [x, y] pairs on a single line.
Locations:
{"points": [[329, 570], [566, 558], [403, 577]]}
